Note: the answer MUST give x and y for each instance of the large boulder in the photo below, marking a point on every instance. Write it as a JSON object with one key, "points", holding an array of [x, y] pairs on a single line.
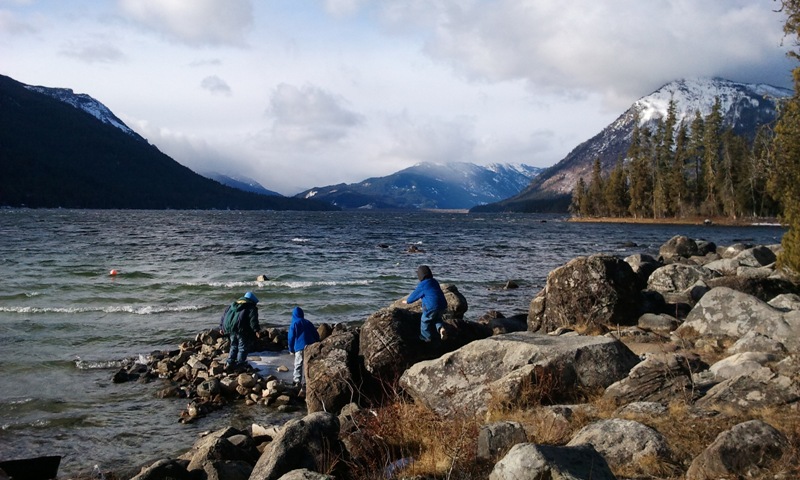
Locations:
{"points": [[389, 343], [528, 461], [677, 277], [727, 313], [761, 388], [598, 291], [622, 442], [659, 378], [762, 288], [504, 367], [742, 451], [679, 246], [311, 442], [332, 372]]}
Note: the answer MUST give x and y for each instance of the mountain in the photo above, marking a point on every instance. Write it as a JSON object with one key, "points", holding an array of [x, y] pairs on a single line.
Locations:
{"points": [[59, 149], [241, 183], [745, 107], [456, 185]]}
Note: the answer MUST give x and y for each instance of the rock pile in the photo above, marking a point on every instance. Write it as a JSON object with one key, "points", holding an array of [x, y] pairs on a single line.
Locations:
{"points": [[713, 330]]}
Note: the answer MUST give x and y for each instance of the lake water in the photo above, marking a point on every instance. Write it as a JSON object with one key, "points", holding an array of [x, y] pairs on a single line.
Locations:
{"points": [[65, 322]]}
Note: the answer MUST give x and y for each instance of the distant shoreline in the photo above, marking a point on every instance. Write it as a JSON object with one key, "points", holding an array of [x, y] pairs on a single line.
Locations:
{"points": [[721, 221]]}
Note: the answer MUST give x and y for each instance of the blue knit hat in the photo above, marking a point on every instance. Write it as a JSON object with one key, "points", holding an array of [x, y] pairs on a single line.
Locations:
{"points": [[251, 296]]}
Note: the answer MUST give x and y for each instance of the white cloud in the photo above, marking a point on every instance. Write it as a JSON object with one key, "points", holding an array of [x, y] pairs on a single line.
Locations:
{"points": [[618, 47], [195, 22], [96, 52], [309, 116], [216, 85], [11, 25]]}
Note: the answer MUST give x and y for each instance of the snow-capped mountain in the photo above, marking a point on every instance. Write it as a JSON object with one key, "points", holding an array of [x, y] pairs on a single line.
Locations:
{"points": [[455, 185], [744, 108], [240, 182], [86, 103]]}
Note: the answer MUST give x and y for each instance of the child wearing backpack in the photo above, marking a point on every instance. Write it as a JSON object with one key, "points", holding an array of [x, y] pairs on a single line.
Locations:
{"points": [[240, 323], [301, 334]]}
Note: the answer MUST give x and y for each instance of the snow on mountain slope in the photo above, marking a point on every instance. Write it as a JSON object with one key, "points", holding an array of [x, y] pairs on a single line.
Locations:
{"points": [[86, 103]]}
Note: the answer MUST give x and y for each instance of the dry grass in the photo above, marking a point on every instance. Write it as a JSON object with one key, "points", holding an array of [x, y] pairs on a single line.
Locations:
{"points": [[445, 447]]}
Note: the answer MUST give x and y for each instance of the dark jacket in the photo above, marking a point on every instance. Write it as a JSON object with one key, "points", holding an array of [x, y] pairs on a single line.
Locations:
{"points": [[301, 332], [431, 294], [247, 318]]}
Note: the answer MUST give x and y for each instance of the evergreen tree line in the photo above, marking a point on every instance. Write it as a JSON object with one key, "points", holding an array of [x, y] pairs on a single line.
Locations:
{"points": [[684, 169]]}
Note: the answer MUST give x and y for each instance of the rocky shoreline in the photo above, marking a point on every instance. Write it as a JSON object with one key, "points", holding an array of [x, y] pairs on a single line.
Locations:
{"points": [[617, 363]]}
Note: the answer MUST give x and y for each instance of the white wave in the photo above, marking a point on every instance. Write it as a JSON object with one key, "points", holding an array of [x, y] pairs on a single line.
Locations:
{"points": [[97, 364], [144, 310], [33, 294], [301, 240]]}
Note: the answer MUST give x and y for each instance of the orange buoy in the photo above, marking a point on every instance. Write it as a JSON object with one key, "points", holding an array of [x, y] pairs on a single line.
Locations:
{"points": [[113, 272]]}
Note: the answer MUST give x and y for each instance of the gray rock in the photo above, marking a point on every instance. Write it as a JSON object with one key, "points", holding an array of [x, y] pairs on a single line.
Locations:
{"points": [[734, 250], [659, 378], [660, 323], [760, 388], [786, 302], [595, 291], [756, 257], [643, 265], [496, 439], [209, 388], [311, 442], [227, 470], [501, 367], [622, 441], [528, 461], [724, 312], [725, 266], [305, 474], [173, 469], [332, 372], [677, 277], [756, 342], [678, 246], [740, 364], [744, 450]]}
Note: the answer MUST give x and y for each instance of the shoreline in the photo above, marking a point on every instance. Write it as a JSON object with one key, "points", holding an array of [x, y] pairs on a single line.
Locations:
{"points": [[701, 221]]}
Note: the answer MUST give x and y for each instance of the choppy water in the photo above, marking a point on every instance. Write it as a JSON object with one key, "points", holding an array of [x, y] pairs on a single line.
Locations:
{"points": [[65, 322]]}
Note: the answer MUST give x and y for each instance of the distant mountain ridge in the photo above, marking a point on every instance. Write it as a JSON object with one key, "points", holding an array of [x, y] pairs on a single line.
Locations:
{"points": [[455, 185], [241, 183], [58, 149], [745, 107]]}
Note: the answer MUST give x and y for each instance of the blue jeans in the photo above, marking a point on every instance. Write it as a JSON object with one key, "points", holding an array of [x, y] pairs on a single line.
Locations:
{"points": [[238, 353], [430, 324]]}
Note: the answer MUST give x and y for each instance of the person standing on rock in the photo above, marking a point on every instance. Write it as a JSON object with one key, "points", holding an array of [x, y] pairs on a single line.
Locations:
{"points": [[240, 323], [434, 304], [301, 334]]}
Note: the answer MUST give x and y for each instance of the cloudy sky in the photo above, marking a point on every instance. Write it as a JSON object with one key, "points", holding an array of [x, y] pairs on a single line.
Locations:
{"points": [[297, 94]]}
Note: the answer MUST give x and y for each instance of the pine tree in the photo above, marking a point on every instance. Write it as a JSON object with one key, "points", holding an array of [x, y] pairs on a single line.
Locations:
{"points": [[712, 146], [579, 206], [595, 191], [639, 174], [786, 179], [616, 191], [695, 154]]}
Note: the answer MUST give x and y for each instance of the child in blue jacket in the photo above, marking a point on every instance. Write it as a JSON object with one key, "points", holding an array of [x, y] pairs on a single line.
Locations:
{"points": [[434, 305], [301, 334]]}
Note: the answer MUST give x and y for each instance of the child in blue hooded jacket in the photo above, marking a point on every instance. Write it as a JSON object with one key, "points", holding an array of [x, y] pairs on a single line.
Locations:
{"points": [[301, 334], [434, 305]]}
